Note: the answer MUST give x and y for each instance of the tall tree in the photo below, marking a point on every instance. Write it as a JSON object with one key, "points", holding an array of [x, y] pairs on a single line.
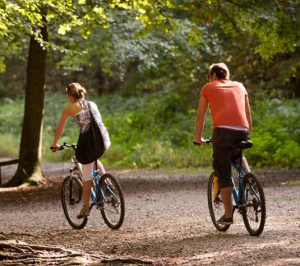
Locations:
{"points": [[31, 19], [29, 168]]}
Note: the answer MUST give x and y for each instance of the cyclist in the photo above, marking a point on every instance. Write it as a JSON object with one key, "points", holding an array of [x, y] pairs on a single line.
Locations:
{"points": [[230, 110], [79, 111]]}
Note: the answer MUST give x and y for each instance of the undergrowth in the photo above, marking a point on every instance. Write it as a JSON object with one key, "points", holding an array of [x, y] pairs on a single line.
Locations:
{"points": [[154, 131]]}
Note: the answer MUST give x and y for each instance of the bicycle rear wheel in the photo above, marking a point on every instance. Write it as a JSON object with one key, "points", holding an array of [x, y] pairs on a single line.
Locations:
{"points": [[71, 198], [254, 214], [113, 210], [215, 204]]}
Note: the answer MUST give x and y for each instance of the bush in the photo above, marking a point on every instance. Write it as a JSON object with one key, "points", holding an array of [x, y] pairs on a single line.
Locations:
{"points": [[276, 134], [156, 130]]}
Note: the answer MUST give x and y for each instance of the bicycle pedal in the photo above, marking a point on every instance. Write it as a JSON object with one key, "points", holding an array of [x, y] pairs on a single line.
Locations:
{"points": [[99, 204]]}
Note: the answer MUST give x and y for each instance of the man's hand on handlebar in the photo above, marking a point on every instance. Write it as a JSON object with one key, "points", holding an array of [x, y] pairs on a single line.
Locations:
{"points": [[202, 141]]}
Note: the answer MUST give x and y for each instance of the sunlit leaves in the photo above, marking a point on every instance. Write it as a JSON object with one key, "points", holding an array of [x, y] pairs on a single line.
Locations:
{"points": [[2, 66], [64, 28], [275, 25], [270, 22], [99, 11], [152, 37]]}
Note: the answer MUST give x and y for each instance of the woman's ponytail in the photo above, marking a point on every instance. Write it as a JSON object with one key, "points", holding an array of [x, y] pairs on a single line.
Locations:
{"points": [[76, 90]]}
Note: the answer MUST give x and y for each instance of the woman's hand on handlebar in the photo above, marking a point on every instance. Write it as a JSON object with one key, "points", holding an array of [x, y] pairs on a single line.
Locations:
{"points": [[54, 148], [65, 145]]}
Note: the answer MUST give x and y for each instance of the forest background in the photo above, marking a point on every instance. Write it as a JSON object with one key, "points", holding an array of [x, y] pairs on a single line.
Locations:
{"points": [[144, 63]]}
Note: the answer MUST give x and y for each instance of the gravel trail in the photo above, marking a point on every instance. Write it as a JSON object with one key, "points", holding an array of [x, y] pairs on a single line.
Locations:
{"points": [[166, 223]]}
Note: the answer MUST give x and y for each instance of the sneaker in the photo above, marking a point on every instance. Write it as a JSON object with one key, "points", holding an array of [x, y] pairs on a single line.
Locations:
{"points": [[84, 212], [225, 221]]}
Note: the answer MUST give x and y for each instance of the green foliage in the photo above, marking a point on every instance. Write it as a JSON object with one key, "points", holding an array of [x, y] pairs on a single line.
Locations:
{"points": [[125, 59], [149, 46], [276, 134], [9, 145], [162, 48], [157, 131], [11, 116], [152, 131]]}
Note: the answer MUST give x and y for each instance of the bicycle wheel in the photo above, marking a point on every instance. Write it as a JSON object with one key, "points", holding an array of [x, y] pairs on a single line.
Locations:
{"points": [[71, 198], [254, 214], [113, 209], [215, 204]]}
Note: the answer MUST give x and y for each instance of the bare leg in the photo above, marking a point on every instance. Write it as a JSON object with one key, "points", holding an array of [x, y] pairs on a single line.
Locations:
{"points": [[86, 192], [100, 168], [227, 200]]}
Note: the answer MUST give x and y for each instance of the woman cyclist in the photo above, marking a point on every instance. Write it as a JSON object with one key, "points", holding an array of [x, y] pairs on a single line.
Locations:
{"points": [[79, 109], [230, 110]]}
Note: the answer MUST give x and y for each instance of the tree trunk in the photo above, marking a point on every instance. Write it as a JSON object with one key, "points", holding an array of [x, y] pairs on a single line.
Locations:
{"points": [[29, 168]]}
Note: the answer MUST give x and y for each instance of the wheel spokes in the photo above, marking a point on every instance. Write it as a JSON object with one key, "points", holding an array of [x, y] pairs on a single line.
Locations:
{"points": [[71, 201], [253, 210], [112, 204]]}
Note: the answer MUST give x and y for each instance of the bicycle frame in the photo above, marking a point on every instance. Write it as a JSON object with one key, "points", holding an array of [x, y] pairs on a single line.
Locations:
{"points": [[106, 194], [237, 192], [99, 190], [248, 197], [96, 189]]}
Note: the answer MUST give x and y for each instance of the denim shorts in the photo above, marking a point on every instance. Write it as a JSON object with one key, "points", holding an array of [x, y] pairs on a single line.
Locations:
{"points": [[224, 151]]}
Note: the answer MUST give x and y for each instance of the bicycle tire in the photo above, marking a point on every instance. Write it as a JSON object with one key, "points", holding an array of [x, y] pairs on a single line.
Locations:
{"points": [[255, 205], [71, 198], [113, 203], [215, 206]]}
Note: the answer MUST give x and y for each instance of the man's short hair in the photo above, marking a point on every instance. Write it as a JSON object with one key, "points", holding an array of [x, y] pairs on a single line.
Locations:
{"points": [[220, 69]]}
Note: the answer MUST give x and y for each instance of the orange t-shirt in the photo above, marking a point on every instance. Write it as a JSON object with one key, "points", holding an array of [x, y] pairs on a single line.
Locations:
{"points": [[227, 102]]}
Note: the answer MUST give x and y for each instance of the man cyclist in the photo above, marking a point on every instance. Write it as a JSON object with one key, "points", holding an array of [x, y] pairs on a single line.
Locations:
{"points": [[230, 110]]}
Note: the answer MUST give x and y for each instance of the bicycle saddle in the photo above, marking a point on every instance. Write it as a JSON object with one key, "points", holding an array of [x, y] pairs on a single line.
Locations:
{"points": [[245, 144]]}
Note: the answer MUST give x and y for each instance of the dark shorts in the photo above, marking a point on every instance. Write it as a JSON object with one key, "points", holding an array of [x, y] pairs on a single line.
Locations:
{"points": [[224, 151]]}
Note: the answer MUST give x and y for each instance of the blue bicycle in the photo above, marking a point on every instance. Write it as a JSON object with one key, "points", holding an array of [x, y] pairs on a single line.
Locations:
{"points": [[248, 197], [106, 195]]}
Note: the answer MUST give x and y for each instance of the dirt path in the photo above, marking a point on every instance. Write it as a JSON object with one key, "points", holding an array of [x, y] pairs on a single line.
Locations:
{"points": [[166, 223]]}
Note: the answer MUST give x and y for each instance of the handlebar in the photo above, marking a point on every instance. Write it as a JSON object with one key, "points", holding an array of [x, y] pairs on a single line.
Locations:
{"points": [[245, 144], [207, 141], [64, 146]]}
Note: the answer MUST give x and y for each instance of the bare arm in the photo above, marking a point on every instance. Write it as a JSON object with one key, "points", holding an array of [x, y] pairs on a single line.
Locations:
{"points": [[60, 127], [202, 110], [248, 114]]}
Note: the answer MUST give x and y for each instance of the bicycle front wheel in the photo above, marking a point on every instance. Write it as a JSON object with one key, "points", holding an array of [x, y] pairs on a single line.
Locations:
{"points": [[71, 198], [254, 214], [215, 204], [113, 210]]}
